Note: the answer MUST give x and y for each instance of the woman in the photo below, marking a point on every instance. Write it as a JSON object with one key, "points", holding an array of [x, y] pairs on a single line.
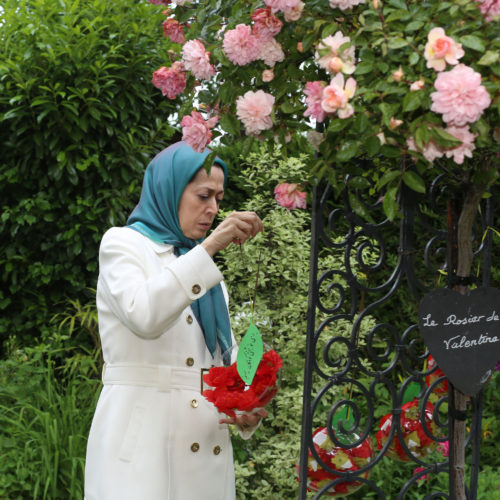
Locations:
{"points": [[162, 319]]}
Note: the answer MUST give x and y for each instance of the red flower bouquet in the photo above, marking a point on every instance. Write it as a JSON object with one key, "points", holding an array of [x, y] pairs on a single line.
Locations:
{"points": [[341, 459], [417, 441], [230, 394], [442, 387]]}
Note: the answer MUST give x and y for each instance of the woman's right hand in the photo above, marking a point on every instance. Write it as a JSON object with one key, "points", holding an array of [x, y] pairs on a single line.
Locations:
{"points": [[237, 227]]}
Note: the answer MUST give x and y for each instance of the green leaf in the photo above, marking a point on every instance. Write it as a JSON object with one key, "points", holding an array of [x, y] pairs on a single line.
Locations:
{"points": [[347, 151], [422, 136], [414, 181], [363, 67], [473, 42], [389, 203], [359, 208], [490, 57], [413, 100], [287, 107], [413, 59], [372, 145], [359, 182], [209, 161], [337, 125], [397, 43], [413, 26], [444, 138], [388, 177], [230, 124]]}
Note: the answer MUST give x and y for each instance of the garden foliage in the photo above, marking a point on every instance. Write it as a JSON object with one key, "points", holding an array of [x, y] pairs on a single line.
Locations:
{"points": [[78, 123]]}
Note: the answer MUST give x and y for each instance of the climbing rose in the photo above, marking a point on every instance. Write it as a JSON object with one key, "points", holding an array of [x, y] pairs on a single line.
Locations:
{"points": [[465, 149], [490, 9], [240, 45], [266, 24], [345, 4], [314, 96], [281, 5], [254, 109], [459, 96], [288, 196], [197, 60], [171, 81], [431, 150], [295, 13], [441, 49], [333, 62], [336, 95], [174, 30], [196, 130], [271, 52]]}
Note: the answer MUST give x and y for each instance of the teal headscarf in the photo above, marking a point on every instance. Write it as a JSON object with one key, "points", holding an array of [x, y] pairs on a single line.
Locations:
{"points": [[156, 217]]}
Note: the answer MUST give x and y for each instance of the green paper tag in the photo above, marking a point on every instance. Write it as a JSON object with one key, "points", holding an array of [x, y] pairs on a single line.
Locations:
{"points": [[411, 392], [347, 418], [249, 354]]}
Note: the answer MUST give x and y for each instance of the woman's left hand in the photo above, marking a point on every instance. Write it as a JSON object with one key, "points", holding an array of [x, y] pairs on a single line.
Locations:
{"points": [[246, 420]]}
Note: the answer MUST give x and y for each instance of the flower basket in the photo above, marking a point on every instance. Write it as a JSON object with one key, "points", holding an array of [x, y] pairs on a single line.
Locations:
{"points": [[340, 459], [230, 394], [417, 441]]}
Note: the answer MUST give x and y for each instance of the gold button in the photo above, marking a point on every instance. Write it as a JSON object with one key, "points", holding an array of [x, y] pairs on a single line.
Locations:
{"points": [[195, 447], [189, 319], [190, 361], [216, 450], [196, 289], [194, 403]]}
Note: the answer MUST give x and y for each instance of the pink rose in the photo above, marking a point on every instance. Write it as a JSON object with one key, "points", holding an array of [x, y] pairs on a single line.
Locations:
{"points": [[431, 149], [288, 196], [295, 13], [171, 81], [332, 61], [394, 124], [197, 60], [268, 75], [345, 4], [465, 149], [490, 9], [266, 24], [444, 448], [336, 96], [254, 110], [240, 45], [196, 130], [441, 49], [174, 30], [398, 74], [282, 5], [459, 96], [417, 470], [417, 85], [271, 52], [314, 96]]}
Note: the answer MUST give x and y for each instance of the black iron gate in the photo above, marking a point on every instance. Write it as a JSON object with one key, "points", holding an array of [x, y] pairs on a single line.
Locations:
{"points": [[363, 353]]}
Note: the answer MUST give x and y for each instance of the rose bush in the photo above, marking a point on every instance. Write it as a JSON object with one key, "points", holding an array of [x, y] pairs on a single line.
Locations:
{"points": [[415, 83]]}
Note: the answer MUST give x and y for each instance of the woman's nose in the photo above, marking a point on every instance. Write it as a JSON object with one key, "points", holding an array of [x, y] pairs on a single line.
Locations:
{"points": [[213, 206]]}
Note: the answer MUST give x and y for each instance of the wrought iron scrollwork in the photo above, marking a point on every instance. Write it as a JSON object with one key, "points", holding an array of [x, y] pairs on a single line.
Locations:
{"points": [[361, 350]]}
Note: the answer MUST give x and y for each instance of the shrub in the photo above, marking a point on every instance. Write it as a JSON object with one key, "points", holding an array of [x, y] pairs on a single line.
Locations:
{"points": [[77, 127]]}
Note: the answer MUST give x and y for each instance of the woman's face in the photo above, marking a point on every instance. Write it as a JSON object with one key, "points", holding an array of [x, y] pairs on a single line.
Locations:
{"points": [[200, 202]]}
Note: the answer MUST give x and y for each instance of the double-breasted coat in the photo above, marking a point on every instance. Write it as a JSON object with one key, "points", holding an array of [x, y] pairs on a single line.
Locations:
{"points": [[154, 436]]}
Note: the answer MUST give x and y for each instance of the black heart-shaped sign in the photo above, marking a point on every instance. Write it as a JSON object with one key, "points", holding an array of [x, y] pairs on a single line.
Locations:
{"points": [[462, 332]]}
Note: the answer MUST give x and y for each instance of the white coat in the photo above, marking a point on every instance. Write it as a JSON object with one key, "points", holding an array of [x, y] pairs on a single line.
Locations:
{"points": [[154, 436]]}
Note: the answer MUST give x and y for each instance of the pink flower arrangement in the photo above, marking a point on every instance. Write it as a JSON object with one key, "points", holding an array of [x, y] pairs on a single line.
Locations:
{"points": [[345, 4], [441, 49], [271, 52], [196, 131], [289, 196], [459, 96], [465, 149], [171, 81], [254, 110], [490, 9], [327, 55], [197, 60], [266, 24], [240, 45], [281, 5], [174, 30], [336, 96], [314, 96]]}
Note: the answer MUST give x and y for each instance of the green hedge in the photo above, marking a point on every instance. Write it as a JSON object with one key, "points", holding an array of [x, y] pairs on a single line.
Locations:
{"points": [[79, 120]]}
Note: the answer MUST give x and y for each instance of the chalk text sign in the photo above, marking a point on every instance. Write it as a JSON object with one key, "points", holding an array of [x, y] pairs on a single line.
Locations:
{"points": [[462, 332]]}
